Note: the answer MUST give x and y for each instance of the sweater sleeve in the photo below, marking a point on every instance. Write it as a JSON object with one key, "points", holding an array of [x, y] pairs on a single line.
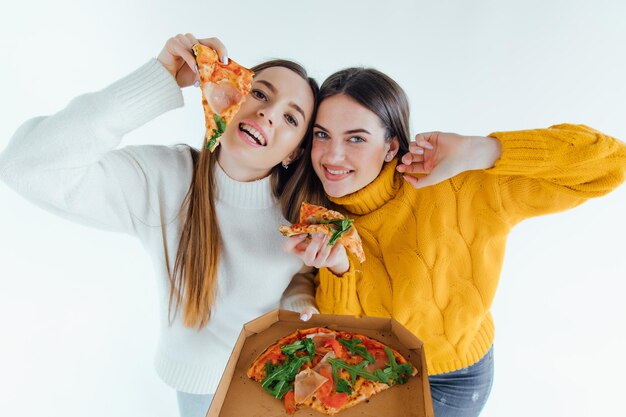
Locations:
{"points": [[67, 163], [299, 295], [338, 295], [548, 170]]}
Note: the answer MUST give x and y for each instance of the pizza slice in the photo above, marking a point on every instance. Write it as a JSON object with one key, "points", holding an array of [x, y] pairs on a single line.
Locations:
{"points": [[317, 219], [224, 87], [328, 370]]}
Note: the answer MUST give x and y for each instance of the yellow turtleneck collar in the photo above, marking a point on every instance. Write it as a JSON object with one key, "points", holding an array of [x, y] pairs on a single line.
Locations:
{"points": [[375, 194]]}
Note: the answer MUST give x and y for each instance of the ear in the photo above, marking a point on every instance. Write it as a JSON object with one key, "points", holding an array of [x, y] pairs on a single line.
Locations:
{"points": [[392, 147], [297, 153]]}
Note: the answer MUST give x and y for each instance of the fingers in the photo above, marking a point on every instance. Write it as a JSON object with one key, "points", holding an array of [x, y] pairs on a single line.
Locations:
{"points": [[315, 252], [425, 139], [291, 244], [411, 164], [318, 250], [307, 313], [414, 168], [218, 46], [181, 46], [413, 161]]}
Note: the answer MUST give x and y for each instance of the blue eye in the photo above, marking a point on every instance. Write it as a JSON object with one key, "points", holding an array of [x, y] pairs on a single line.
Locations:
{"points": [[291, 120], [356, 139], [320, 134], [259, 95]]}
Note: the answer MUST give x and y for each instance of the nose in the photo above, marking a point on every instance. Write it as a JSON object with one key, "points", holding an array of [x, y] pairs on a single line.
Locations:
{"points": [[266, 113], [335, 151]]}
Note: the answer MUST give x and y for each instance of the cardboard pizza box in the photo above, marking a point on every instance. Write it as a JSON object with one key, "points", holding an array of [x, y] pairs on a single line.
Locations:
{"points": [[239, 396]]}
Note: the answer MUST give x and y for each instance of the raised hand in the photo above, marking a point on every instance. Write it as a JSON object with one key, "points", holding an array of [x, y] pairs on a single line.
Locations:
{"points": [[178, 59], [442, 155]]}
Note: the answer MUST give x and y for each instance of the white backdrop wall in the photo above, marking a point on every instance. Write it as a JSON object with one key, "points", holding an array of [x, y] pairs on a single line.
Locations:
{"points": [[78, 307]]}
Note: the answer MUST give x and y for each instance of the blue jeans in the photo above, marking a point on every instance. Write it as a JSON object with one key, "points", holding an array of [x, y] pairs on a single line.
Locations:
{"points": [[463, 393], [193, 405]]}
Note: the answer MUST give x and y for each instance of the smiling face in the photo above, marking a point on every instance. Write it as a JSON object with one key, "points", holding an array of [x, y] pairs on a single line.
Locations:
{"points": [[349, 145], [269, 126]]}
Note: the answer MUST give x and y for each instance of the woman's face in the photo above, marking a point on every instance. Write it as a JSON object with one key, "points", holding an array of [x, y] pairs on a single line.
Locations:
{"points": [[269, 125], [349, 146]]}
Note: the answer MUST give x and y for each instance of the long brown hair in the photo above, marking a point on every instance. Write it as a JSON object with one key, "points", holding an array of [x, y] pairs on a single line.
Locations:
{"points": [[193, 281]]}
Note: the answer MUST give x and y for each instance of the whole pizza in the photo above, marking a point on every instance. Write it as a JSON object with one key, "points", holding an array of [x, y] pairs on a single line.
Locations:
{"points": [[328, 370]]}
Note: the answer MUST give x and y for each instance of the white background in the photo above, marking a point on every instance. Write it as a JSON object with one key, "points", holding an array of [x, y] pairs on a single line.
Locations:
{"points": [[78, 309]]}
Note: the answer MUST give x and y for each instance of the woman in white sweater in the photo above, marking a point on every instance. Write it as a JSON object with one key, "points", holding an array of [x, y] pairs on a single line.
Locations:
{"points": [[208, 221]]}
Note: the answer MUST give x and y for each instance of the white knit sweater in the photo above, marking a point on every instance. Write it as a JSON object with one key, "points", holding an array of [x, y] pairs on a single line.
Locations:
{"points": [[68, 163]]}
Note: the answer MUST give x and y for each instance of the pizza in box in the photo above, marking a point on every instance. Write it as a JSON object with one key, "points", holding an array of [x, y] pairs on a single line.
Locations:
{"points": [[328, 371]]}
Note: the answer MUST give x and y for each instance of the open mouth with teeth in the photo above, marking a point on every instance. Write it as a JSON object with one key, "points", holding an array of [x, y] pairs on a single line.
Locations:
{"points": [[336, 173], [252, 134]]}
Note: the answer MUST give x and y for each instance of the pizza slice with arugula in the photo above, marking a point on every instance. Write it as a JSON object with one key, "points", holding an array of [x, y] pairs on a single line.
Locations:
{"points": [[328, 370], [224, 87], [317, 219]]}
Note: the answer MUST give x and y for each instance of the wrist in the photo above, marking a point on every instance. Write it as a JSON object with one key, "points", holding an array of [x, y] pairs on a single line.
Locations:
{"points": [[340, 268], [483, 152]]}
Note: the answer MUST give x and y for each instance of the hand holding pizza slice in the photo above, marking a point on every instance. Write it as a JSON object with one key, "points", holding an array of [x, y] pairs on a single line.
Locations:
{"points": [[317, 219], [224, 87]]}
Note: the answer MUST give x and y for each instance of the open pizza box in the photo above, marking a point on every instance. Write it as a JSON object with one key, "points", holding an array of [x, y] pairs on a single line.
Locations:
{"points": [[239, 396]]}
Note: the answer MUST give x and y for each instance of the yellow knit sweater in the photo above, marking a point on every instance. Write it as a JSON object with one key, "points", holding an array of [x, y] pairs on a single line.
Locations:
{"points": [[434, 255]]}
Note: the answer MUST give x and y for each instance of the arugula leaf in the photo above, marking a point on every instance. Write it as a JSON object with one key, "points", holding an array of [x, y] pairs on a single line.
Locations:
{"points": [[221, 127], [399, 373], [280, 380], [306, 344], [343, 224], [353, 370], [354, 346], [343, 386], [221, 123]]}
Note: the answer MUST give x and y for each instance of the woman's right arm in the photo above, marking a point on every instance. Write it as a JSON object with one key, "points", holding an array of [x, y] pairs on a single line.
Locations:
{"points": [[67, 162]]}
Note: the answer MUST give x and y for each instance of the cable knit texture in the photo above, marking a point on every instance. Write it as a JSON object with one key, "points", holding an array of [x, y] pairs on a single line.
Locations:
{"points": [[68, 164], [434, 255]]}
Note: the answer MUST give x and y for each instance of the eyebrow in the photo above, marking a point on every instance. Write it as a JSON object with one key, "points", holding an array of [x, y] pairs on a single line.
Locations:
{"points": [[268, 85], [347, 132], [273, 90]]}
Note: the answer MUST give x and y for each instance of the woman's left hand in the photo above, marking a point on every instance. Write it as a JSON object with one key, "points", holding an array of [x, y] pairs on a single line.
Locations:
{"points": [[442, 155], [307, 313]]}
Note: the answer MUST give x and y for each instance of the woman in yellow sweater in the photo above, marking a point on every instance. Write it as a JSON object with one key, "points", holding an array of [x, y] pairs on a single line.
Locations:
{"points": [[434, 215]]}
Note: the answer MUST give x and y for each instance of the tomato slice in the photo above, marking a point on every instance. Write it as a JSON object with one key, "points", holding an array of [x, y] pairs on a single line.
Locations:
{"points": [[381, 359], [276, 357], [290, 402], [336, 346], [329, 386], [335, 400]]}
